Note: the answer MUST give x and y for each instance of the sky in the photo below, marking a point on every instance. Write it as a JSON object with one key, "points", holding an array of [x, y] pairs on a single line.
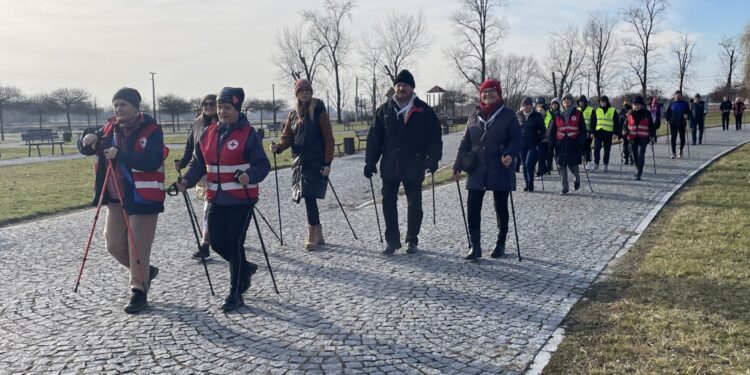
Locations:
{"points": [[197, 47]]}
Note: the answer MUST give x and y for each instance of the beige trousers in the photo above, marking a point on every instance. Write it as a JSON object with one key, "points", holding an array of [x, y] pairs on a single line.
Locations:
{"points": [[121, 247]]}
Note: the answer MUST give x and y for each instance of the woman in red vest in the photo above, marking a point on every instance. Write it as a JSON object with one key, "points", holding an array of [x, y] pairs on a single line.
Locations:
{"points": [[639, 130], [134, 143], [230, 155], [567, 131]]}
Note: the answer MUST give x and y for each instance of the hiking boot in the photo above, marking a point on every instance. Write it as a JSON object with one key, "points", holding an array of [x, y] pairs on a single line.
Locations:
{"points": [[138, 302], [411, 248], [248, 274], [476, 248], [310, 243], [202, 252], [233, 302], [390, 249], [318, 233], [499, 249], [531, 186]]}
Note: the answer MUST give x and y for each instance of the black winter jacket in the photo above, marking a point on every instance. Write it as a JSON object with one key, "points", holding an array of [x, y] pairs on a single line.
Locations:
{"points": [[532, 128]]}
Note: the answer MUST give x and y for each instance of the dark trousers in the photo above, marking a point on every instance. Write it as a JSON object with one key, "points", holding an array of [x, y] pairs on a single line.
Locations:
{"points": [[738, 122], [313, 214], [587, 149], [529, 155], [228, 227], [603, 138], [725, 121], [413, 191], [543, 151], [677, 129], [474, 211], [639, 146], [626, 154], [698, 126]]}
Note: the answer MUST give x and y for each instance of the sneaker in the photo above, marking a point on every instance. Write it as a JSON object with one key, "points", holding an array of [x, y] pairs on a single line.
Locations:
{"points": [[138, 302], [202, 252], [233, 302], [411, 248], [245, 281], [672, 156]]}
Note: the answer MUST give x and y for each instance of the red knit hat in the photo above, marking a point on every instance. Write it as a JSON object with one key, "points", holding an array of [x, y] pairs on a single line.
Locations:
{"points": [[301, 84], [492, 84]]}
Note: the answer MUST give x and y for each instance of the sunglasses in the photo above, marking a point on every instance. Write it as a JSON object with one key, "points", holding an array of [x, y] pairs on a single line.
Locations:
{"points": [[209, 104]]}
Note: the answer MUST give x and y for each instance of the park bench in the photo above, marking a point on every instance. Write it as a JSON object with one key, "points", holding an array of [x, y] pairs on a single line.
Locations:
{"points": [[41, 137], [361, 137]]}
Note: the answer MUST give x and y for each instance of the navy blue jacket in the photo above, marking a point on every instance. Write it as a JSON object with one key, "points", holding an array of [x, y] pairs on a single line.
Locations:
{"points": [[253, 153], [532, 128], [501, 137], [148, 161]]}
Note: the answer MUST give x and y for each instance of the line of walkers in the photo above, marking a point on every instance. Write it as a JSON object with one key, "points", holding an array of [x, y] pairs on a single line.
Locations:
{"points": [[226, 160]]}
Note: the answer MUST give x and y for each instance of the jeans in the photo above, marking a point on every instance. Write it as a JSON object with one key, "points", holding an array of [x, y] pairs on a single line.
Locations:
{"points": [[603, 138], [529, 156], [563, 171], [413, 190]]}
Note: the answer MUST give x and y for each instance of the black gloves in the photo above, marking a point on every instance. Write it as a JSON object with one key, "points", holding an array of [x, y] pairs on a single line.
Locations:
{"points": [[431, 165], [370, 169]]}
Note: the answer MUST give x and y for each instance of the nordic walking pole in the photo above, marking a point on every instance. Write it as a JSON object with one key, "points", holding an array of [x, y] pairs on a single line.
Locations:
{"points": [[91, 234], [195, 225], [668, 141], [278, 200], [432, 175], [267, 223], [466, 225], [515, 224], [130, 230], [375, 204], [342, 207], [653, 155], [622, 157], [587, 176], [251, 215]]}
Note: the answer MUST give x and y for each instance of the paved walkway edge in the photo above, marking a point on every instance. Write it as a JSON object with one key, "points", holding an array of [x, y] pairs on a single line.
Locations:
{"points": [[544, 355]]}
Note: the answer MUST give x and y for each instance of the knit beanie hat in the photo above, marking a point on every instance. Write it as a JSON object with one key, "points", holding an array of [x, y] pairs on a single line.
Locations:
{"points": [[301, 84], [129, 95], [568, 96], [208, 97], [639, 100], [404, 76], [232, 95], [527, 101], [583, 99], [492, 84]]}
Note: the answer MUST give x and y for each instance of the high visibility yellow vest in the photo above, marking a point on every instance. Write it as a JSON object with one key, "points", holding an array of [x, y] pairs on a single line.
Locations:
{"points": [[587, 114], [547, 119], [605, 121]]}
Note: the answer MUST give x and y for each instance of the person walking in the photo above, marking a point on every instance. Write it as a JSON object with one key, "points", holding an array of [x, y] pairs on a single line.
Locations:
{"points": [[309, 134], [726, 108], [491, 139], [200, 123], [553, 111], [588, 112], [655, 108], [604, 121], [738, 108], [678, 113], [626, 154], [640, 132], [697, 125], [230, 155], [568, 133], [532, 132], [541, 108], [406, 138], [134, 191]]}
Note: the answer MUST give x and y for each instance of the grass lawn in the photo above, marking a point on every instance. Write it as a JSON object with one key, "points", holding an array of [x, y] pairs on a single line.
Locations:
{"points": [[679, 301]]}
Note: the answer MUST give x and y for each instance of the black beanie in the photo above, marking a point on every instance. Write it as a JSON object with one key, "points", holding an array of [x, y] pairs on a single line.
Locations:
{"points": [[405, 76], [527, 101], [129, 95], [232, 95], [639, 100]]}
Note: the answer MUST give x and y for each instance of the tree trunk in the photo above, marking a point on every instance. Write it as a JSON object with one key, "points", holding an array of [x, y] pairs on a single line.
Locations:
{"points": [[67, 115], [173, 128], [40, 120], [374, 96], [338, 93], [261, 118], [645, 74], [2, 127]]}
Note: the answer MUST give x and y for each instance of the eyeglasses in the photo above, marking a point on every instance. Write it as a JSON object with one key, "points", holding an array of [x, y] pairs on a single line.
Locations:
{"points": [[209, 104]]}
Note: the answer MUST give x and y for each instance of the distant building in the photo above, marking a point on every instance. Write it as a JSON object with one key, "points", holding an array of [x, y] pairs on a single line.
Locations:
{"points": [[435, 96]]}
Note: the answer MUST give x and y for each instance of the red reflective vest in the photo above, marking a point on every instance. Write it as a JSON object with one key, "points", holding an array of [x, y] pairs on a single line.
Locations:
{"points": [[149, 186], [221, 164], [639, 129], [568, 128]]}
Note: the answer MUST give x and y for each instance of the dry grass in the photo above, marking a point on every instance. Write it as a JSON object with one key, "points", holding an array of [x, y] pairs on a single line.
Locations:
{"points": [[679, 301]]}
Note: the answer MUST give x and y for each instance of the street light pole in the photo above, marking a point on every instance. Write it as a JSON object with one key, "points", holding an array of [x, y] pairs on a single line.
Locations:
{"points": [[153, 91], [273, 102], [96, 113]]}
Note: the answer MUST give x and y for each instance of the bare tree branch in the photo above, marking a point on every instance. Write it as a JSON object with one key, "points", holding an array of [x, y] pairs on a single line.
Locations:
{"points": [[517, 74], [68, 98], [400, 36], [684, 52], [298, 52], [601, 48], [643, 19], [565, 56], [729, 56]]}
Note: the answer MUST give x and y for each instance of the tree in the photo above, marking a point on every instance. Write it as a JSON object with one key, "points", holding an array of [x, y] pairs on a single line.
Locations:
{"points": [[517, 75], [39, 104], [196, 105], [564, 60], [601, 48], [298, 53], [257, 105], [174, 106], [371, 59], [452, 97], [729, 56], [745, 44], [400, 36], [684, 52], [68, 99], [643, 19], [328, 30], [9, 95], [478, 29]]}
